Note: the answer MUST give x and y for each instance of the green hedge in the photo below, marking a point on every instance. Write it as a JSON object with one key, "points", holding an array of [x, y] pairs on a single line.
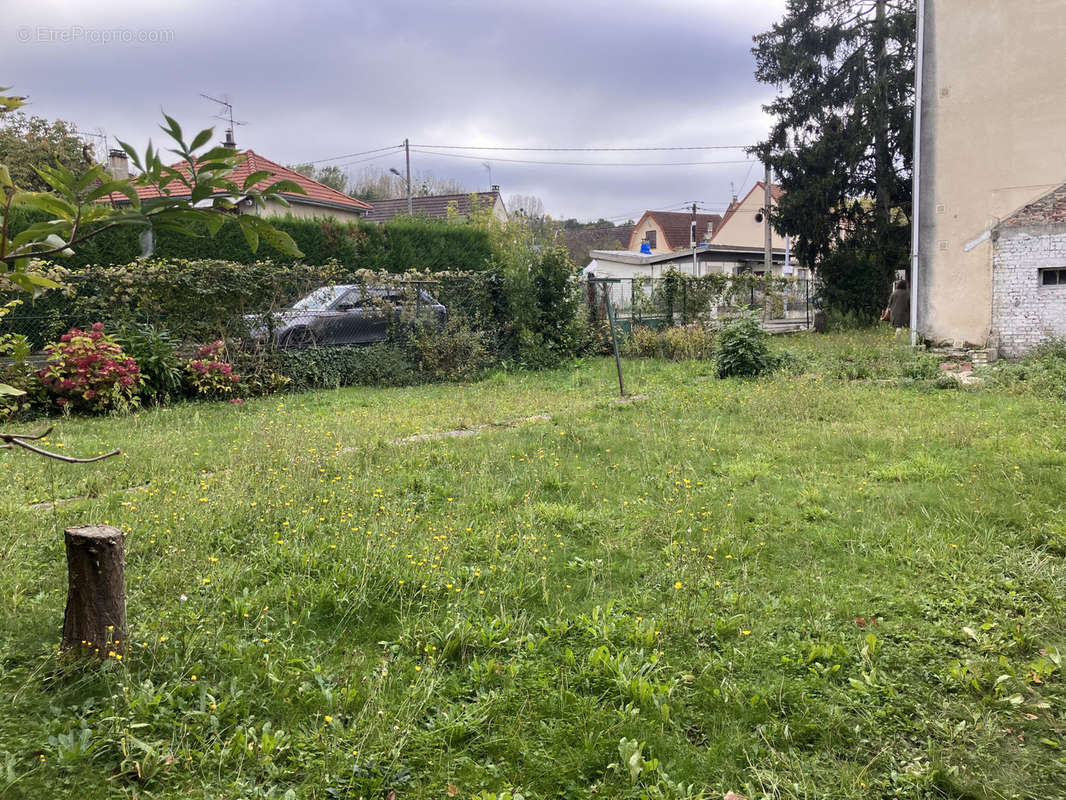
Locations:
{"points": [[382, 364], [398, 246]]}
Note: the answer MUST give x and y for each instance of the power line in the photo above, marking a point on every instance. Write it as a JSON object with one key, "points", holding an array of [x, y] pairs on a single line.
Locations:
{"points": [[358, 161], [589, 163], [585, 149], [353, 155]]}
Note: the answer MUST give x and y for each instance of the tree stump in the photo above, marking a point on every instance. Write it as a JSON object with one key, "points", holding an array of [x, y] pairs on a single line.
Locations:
{"points": [[95, 620]]}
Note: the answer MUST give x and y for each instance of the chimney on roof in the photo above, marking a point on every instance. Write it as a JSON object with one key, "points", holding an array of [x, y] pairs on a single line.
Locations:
{"points": [[495, 188], [118, 164], [229, 141]]}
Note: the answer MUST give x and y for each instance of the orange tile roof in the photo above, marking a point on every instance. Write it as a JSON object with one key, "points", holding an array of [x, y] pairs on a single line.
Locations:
{"points": [[677, 227], [317, 193]]}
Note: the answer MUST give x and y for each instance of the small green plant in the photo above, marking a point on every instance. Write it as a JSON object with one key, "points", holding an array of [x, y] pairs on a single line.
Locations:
{"points": [[155, 351], [742, 349]]}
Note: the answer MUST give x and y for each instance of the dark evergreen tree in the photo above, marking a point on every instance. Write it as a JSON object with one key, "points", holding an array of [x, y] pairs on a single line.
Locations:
{"points": [[842, 139]]}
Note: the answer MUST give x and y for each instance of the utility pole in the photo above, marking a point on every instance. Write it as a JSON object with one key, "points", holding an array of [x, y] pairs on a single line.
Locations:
{"points": [[695, 263], [769, 255], [410, 201]]}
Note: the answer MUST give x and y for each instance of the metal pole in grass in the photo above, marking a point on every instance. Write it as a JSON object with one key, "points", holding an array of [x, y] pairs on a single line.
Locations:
{"points": [[614, 338]]}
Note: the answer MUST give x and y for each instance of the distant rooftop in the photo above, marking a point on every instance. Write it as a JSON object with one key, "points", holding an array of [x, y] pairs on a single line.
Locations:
{"points": [[434, 207]]}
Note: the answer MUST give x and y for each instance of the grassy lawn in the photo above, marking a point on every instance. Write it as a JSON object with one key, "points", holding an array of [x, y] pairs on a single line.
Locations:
{"points": [[796, 587]]}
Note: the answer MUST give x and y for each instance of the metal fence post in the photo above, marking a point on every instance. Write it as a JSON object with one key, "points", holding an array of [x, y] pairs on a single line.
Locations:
{"points": [[614, 338]]}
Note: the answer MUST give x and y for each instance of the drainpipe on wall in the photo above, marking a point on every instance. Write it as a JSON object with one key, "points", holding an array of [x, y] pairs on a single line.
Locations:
{"points": [[919, 64]]}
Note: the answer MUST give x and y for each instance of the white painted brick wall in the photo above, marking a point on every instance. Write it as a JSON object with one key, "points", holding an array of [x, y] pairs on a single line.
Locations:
{"points": [[1024, 313]]}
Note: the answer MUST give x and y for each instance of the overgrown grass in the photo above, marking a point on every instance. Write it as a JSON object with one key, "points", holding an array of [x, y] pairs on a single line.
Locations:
{"points": [[798, 587]]}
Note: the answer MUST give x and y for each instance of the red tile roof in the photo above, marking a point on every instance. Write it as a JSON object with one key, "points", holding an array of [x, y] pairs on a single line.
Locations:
{"points": [[317, 193], [676, 226]]}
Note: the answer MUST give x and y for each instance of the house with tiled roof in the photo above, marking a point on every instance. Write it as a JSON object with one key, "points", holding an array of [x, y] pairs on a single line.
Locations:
{"points": [[440, 206], [744, 224], [319, 201], [667, 231]]}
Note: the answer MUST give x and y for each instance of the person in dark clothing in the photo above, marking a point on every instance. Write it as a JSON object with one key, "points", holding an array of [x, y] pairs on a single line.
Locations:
{"points": [[899, 306]]}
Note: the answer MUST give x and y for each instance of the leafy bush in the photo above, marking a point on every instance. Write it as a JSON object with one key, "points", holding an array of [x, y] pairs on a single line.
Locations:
{"points": [[16, 378], [857, 275], [87, 370], [742, 348], [382, 364], [456, 351], [679, 343], [155, 351], [208, 374], [544, 298]]}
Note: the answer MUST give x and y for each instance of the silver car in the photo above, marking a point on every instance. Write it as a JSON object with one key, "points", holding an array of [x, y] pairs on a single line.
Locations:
{"points": [[346, 314]]}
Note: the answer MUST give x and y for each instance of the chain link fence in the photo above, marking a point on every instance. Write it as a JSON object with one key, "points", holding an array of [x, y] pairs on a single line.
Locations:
{"points": [[304, 313], [781, 303]]}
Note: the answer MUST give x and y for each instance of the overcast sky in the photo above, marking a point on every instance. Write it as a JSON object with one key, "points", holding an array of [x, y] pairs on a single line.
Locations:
{"points": [[316, 80]]}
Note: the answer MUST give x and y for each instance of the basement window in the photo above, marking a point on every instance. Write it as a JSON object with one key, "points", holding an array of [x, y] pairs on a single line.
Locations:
{"points": [[1053, 277]]}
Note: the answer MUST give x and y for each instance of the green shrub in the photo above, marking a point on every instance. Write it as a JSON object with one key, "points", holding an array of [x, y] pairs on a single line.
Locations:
{"points": [[15, 373], [456, 351], [425, 245], [742, 348], [155, 351], [382, 364], [544, 298], [856, 276]]}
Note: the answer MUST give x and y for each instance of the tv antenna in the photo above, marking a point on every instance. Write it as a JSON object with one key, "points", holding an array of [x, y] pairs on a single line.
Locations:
{"points": [[98, 137], [226, 116]]}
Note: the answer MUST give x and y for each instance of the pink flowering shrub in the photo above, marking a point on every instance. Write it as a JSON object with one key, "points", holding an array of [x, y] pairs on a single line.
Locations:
{"points": [[209, 374], [87, 370]]}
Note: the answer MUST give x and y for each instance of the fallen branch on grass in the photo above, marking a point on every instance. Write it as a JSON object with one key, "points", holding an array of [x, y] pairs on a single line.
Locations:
{"points": [[13, 440]]}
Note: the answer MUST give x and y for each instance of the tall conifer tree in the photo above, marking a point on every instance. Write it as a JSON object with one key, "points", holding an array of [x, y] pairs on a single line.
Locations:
{"points": [[842, 139]]}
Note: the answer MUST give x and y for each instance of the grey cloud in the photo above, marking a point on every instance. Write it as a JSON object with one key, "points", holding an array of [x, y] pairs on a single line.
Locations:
{"points": [[320, 79]]}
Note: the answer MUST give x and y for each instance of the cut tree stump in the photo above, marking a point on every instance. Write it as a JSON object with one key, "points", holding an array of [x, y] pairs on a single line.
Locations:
{"points": [[95, 620]]}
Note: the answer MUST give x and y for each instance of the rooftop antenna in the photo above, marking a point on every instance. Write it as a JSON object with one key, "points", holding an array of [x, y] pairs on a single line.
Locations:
{"points": [[101, 137], [227, 116], [488, 166]]}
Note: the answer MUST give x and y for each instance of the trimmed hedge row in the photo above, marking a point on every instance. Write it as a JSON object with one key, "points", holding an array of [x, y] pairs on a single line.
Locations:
{"points": [[398, 246]]}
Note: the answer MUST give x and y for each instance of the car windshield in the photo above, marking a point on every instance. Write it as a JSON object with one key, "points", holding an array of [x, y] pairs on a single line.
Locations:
{"points": [[320, 298]]}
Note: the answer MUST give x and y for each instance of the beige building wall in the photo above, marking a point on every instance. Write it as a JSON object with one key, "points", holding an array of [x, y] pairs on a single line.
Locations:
{"points": [[741, 229], [641, 230], [305, 211], [993, 140]]}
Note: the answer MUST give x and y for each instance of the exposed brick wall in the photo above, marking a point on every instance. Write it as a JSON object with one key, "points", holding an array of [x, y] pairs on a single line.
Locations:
{"points": [[1024, 313], [1048, 210]]}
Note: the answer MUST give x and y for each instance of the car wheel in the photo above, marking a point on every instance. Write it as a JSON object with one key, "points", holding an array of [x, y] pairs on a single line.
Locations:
{"points": [[301, 338]]}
